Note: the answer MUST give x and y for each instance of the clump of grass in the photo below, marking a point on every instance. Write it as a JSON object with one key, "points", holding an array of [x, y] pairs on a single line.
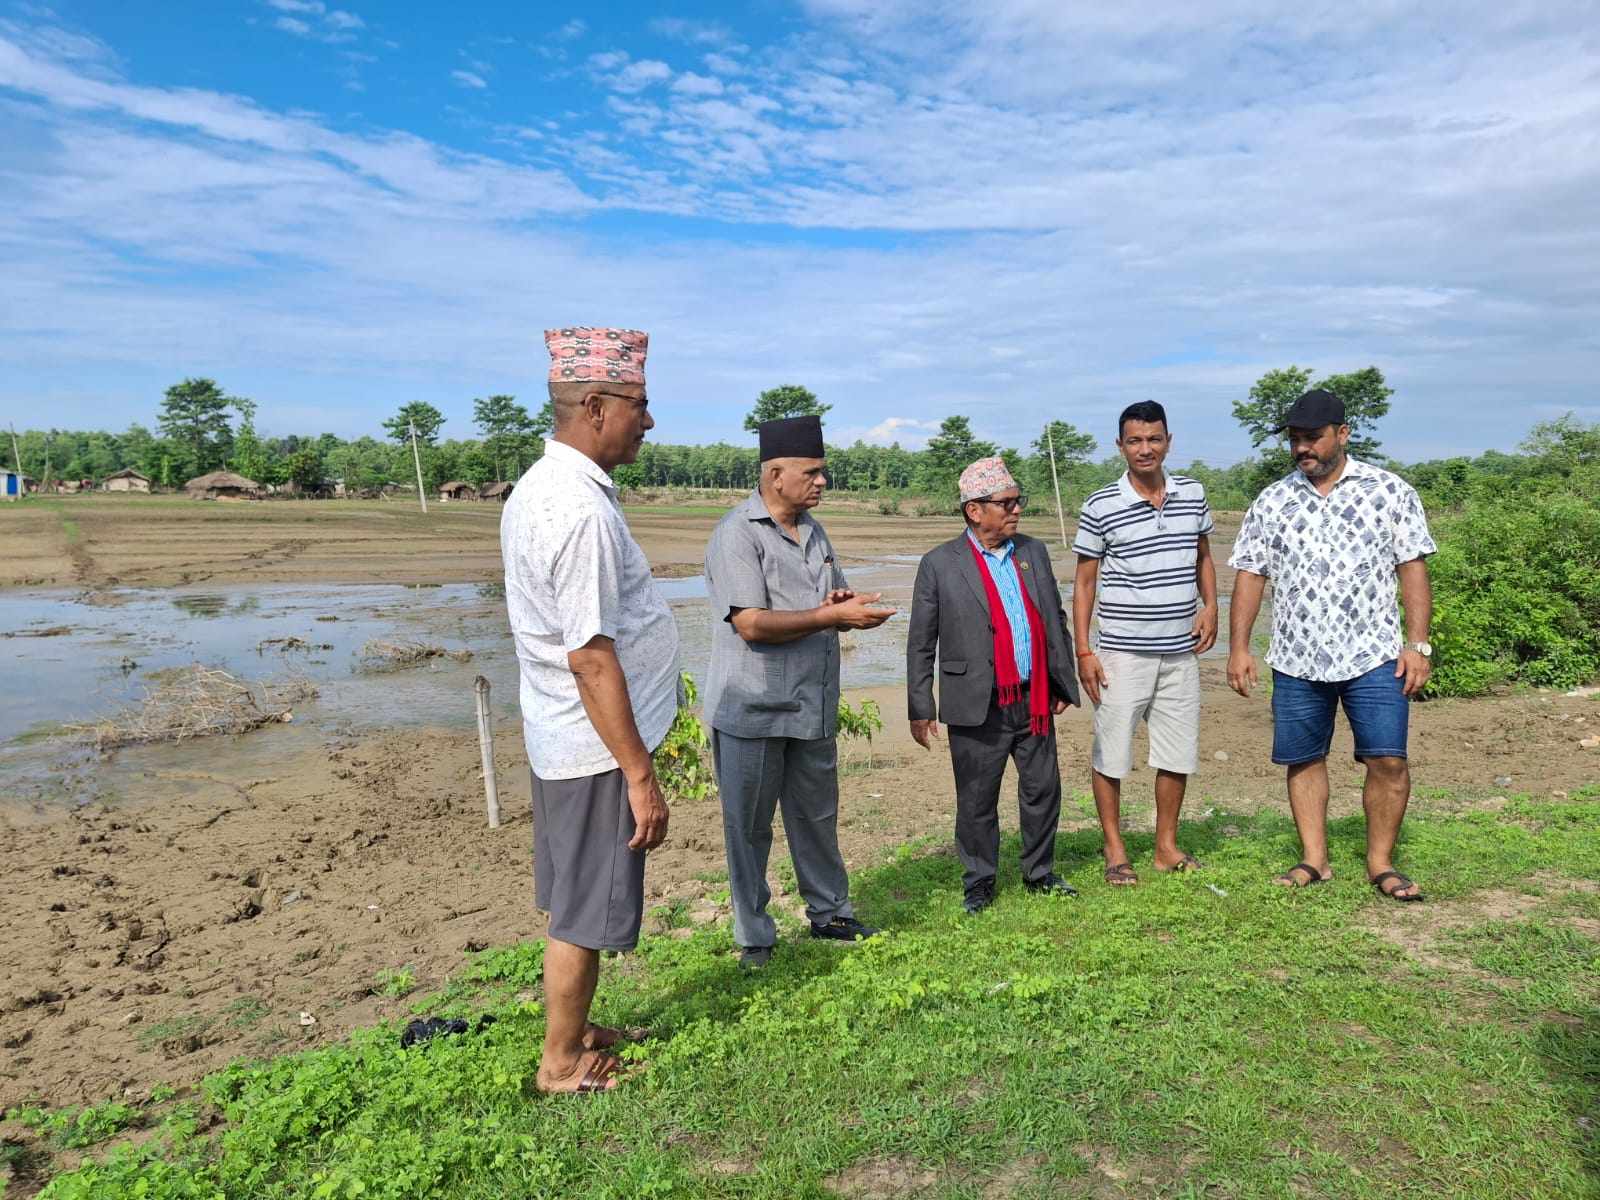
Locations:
{"points": [[193, 702], [395, 983], [390, 656]]}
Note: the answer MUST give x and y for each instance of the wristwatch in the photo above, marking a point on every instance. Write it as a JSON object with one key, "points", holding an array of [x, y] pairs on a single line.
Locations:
{"points": [[1423, 648]]}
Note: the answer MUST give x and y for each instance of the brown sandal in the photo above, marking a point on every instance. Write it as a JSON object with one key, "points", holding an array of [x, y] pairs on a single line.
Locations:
{"points": [[600, 1077], [1314, 876], [1121, 875]]}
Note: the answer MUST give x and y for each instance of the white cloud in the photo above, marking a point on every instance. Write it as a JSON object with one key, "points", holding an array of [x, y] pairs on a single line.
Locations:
{"points": [[339, 19], [469, 79], [574, 28], [722, 64], [315, 7], [1117, 210], [637, 76], [691, 84], [910, 432], [292, 25]]}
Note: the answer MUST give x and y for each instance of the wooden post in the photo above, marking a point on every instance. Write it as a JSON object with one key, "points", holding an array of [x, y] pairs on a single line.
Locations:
{"points": [[422, 495], [1061, 515], [491, 791]]}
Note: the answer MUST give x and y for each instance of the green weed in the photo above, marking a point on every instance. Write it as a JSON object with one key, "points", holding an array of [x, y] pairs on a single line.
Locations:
{"points": [[1165, 1039]]}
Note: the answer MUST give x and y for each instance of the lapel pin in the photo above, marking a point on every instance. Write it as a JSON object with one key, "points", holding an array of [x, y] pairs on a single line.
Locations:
{"points": [[1024, 566]]}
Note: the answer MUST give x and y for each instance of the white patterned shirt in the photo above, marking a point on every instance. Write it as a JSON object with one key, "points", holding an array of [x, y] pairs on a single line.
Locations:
{"points": [[1332, 560], [574, 572]]}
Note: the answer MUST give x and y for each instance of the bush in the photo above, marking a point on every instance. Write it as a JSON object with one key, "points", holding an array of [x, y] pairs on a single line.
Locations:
{"points": [[1517, 594], [683, 760]]}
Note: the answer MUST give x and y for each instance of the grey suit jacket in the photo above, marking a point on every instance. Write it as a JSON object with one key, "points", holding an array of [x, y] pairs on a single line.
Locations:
{"points": [[950, 617]]}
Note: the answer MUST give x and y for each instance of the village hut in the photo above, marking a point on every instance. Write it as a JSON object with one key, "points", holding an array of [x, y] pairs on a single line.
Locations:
{"points": [[457, 490], [125, 480], [13, 484], [222, 485], [497, 491]]}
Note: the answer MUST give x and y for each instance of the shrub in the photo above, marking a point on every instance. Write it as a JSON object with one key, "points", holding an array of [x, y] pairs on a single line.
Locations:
{"points": [[1517, 594], [683, 760]]}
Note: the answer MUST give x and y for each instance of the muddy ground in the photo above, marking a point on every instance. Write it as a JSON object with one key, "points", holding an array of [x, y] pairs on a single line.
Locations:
{"points": [[142, 541], [154, 936]]}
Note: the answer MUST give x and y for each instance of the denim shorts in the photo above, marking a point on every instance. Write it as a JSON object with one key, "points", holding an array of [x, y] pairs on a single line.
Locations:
{"points": [[1303, 711]]}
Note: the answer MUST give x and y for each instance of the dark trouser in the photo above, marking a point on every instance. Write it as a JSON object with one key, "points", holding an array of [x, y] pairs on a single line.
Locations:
{"points": [[755, 776], [979, 753]]}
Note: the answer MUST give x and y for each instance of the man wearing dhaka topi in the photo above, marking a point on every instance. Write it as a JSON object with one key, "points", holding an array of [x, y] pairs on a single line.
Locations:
{"points": [[778, 601], [986, 602], [597, 651]]}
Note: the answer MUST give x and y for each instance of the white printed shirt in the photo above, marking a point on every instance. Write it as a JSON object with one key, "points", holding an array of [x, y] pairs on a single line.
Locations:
{"points": [[574, 572], [1332, 560]]}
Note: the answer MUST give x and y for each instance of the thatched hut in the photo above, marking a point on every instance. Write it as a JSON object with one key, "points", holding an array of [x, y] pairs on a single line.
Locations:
{"points": [[497, 491], [457, 490], [222, 485], [125, 480]]}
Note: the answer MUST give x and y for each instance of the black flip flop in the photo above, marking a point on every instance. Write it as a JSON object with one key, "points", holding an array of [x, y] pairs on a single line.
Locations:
{"points": [[1414, 898], [1316, 876]]}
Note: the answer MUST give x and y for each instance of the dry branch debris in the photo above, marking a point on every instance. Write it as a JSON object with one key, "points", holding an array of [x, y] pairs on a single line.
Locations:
{"points": [[389, 656], [195, 702]]}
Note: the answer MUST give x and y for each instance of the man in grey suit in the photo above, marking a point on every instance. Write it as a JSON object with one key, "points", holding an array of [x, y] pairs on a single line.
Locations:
{"points": [[986, 602]]}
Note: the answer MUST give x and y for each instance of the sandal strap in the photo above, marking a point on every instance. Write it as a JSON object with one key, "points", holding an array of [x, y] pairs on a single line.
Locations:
{"points": [[1312, 874], [601, 1070], [1402, 882]]}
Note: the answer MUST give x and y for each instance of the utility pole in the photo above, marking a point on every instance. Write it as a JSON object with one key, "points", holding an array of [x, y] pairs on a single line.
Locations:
{"points": [[1061, 516], [416, 458], [16, 454]]}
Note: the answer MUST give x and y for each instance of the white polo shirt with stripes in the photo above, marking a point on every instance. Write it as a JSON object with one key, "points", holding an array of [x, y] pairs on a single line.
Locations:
{"points": [[1148, 591]]}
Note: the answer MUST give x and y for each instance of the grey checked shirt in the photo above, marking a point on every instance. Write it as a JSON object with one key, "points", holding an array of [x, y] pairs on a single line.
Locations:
{"points": [[1332, 559], [758, 689]]}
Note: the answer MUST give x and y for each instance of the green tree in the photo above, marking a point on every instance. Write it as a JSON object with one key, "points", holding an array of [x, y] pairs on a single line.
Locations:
{"points": [[1365, 396], [195, 413], [427, 418], [305, 470], [507, 431], [1566, 442], [544, 422], [788, 400], [949, 452], [249, 456]]}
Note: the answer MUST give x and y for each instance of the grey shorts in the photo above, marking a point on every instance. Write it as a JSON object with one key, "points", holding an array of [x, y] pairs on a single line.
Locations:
{"points": [[584, 875]]}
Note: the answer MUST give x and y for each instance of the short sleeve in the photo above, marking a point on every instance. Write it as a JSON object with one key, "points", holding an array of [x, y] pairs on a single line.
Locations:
{"points": [[1207, 524], [1090, 540], [1411, 537], [1252, 549], [586, 581], [733, 571]]}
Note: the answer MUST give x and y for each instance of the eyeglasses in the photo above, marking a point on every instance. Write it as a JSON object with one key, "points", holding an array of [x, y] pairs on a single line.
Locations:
{"points": [[1010, 503], [636, 401]]}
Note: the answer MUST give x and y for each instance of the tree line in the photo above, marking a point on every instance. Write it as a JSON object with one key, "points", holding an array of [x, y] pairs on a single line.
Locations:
{"points": [[200, 427]]}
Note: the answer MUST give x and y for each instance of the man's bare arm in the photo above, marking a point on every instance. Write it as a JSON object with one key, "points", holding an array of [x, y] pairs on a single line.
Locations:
{"points": [[1416, 593], [1085, 581], [1205, 622], [604, 691], [1248, 588]]}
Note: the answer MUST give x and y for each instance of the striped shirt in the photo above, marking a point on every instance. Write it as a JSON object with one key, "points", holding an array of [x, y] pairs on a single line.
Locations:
{"points": [[1148, 590]]}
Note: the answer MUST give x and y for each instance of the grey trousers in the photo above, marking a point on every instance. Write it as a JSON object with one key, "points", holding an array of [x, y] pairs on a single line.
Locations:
{"points": [[755, 775], [978, 753]]}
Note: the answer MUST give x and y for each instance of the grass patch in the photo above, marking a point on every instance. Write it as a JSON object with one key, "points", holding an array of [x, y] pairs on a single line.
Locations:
{"points": [[1156, 1040]]}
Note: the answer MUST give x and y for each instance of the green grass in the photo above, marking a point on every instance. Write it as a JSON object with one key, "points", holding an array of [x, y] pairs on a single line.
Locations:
{"points": [[1158, 1040]]}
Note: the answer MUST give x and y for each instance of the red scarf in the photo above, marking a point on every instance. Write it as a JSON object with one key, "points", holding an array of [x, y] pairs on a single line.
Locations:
{"points": [[1006, 679]]}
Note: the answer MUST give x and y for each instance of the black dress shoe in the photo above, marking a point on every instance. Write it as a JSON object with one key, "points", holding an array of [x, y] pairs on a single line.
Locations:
{"points": [[1051, 885], [843, 929], [753, 958], [979, 898]]}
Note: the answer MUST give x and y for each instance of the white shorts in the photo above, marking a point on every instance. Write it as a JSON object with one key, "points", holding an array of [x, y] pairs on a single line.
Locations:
{"points": [[1163, 690]]}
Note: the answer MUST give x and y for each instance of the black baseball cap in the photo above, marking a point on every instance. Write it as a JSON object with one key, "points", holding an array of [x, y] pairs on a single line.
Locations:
{"points": [[1316, 409]]}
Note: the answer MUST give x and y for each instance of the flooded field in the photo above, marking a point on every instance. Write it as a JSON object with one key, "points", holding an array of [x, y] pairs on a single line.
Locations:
{"points": [[90, 655]]}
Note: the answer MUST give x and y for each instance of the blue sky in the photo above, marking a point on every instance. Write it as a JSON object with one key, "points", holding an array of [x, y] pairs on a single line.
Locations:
{"points": [[1016, 210]]}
